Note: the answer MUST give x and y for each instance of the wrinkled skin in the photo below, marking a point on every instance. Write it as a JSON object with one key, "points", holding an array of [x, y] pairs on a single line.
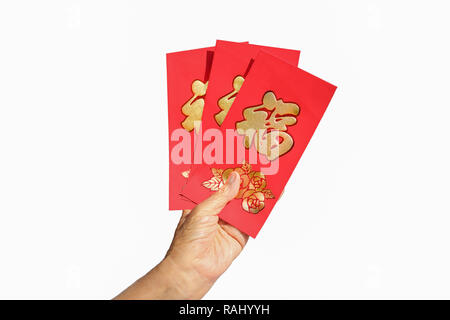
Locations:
{"points": [[202, 249]]}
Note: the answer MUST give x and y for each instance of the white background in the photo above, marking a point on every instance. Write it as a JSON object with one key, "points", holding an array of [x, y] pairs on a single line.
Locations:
{"points": [[84, 160]]}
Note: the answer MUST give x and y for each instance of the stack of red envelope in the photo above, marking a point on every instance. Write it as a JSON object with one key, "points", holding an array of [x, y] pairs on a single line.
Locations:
{"points": [[239, 107]]}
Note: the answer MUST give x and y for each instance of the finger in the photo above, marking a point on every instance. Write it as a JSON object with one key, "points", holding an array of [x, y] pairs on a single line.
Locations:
{"points": [[185, 213], [216, 202]]}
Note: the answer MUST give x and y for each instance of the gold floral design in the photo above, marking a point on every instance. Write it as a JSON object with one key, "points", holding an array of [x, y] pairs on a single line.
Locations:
{"points": [[252, 189]]}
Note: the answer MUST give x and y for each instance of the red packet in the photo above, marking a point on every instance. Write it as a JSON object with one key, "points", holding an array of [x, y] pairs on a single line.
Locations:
{"points": [[285, 104], [232, 61], [187, 80], [187, 76]]}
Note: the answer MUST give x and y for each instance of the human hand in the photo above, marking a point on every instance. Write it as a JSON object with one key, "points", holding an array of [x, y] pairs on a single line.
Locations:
{"points": [[202, 249]]}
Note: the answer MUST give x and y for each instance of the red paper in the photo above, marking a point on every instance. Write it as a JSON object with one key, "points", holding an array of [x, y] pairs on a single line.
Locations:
{"points": [[187, 71], [280, 98]]}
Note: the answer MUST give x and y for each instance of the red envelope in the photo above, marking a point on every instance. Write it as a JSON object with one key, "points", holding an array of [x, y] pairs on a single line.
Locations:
{"points": [[187, 76], [232, 61], [286, 104]]}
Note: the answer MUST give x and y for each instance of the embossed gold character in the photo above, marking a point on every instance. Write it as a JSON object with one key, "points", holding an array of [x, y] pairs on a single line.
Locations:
{"points": [[266, 125], [225, 102], [193, 109]]}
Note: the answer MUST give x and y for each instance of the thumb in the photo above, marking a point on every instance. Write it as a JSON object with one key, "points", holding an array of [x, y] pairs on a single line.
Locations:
{"points": [[216, 202]]}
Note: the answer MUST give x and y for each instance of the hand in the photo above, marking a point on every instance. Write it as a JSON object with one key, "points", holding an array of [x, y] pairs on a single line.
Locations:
{"points": [[202, 249]]}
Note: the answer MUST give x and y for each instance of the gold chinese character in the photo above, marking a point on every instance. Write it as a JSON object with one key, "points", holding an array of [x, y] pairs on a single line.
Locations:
{"points": [[266, 125], [225, 102], [193, 109]]}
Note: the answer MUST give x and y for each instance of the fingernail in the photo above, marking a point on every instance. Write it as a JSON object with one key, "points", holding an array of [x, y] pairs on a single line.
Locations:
{"points": [[232, 178]]}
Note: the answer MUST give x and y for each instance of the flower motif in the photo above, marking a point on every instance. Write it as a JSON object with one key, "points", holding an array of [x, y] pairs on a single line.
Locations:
{"points": [[251, 190], [253, 201], [257, 182]]}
